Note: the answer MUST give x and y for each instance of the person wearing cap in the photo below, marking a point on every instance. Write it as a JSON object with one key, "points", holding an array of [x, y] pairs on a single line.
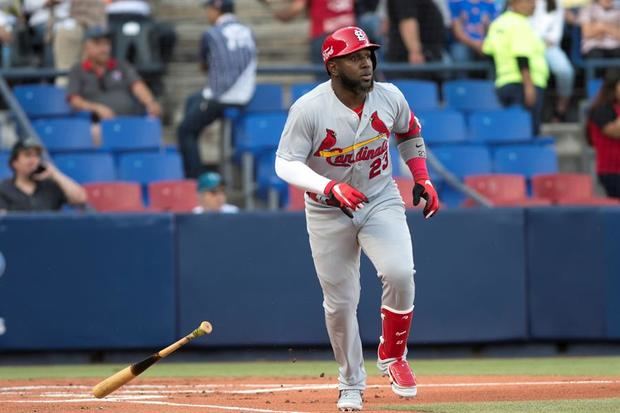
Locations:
{"points": [[35, 185], [105, 86], [212, 195], [228, 53], [69, 33], [336, 146]]}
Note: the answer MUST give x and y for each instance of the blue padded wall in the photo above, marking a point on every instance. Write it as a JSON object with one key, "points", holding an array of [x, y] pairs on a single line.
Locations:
{"points": [[252, 275], [565, 273], [87, 282]]}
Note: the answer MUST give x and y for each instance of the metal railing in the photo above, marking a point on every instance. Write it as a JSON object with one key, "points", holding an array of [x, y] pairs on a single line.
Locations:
{"points": [[590, 67]]}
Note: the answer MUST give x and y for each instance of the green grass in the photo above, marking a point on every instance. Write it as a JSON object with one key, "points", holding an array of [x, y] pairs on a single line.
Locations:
{"points": [[552, 406], [555, 366]]}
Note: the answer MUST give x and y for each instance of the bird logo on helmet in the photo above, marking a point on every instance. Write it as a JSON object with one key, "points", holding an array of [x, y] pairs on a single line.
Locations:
{"points": [[346, 41]]}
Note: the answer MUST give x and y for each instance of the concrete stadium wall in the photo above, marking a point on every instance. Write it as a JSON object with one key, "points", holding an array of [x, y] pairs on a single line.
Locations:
{"points": [[139, 281]]}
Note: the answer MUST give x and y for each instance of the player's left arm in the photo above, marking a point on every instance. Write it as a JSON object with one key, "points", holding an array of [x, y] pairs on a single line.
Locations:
{"points": [[413, 150]]}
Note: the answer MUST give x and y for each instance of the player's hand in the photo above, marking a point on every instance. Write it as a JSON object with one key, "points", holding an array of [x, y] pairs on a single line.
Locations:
{"points": [[424, 189], [153, 109], [104, 112], [345, 197]]}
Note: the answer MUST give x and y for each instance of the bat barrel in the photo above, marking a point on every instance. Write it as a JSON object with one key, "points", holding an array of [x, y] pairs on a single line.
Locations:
{"points": [[113, 382], [124, 376]]}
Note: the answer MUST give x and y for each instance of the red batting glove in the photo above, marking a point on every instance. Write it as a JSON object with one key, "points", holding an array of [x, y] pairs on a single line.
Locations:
{"points": [[424, 189], [345, 196]]}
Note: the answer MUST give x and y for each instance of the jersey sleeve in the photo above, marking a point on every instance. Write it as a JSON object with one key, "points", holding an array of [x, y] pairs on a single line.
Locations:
{"points": [[130, 72], [73, 88], [204, 48], [407, 9], [519, 48], [296, 140], [403, 120]]}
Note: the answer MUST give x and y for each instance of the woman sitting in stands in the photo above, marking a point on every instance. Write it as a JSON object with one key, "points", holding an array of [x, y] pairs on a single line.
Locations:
{"points": [[604, 133]]}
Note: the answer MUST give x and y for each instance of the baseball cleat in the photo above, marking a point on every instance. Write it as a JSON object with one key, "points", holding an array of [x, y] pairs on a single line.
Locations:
{"points": [[350, 400], [402, 379]]}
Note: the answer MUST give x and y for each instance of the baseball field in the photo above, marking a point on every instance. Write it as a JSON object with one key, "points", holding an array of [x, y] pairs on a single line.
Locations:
{"points": [[480, 385]]}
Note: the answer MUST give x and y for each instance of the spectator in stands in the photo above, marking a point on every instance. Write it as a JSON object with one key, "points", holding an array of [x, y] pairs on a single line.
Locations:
{"points": [[228, 52], [107, 87], [470, 23], [123, 11], [600, 29], [369, 19], [444, 9], [604, 133], [44, 15], [7, 22], [69, 34], [325, 17], [519, 55], [416, 33], [548, 22], [36, 185], [572, 9], [212, 195]]}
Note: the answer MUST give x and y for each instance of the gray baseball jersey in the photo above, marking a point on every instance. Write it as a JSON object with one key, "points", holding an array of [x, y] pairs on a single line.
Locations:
{"points": [[336, 143]]}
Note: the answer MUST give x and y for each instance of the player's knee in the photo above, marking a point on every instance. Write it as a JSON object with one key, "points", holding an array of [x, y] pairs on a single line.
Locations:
{"points": [[333, 309], [399, 277]]}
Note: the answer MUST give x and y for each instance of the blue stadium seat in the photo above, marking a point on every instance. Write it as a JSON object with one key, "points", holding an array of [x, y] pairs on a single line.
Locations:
{"points": [[421, 94], [130, 133], [5, 169], [300, 89], [256, 134], [267, 179], [470, 95], [442, 126], [463, 160], [259, 132], [40, 100], [528, 160], [267, 97], [146, 167], [87, 167], [504, 125], [593, 86], [65, 134], [460, 160]]}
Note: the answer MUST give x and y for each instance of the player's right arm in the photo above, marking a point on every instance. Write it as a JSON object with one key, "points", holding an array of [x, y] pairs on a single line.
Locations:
{"points": [[293, 151]]}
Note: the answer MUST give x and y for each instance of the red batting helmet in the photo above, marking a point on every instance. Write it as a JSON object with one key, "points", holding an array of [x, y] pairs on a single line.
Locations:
{"points": [[346, 41]]}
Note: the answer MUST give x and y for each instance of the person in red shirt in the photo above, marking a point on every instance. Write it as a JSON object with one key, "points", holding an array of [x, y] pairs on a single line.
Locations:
{"points": [[326, 16], [604, 133]]}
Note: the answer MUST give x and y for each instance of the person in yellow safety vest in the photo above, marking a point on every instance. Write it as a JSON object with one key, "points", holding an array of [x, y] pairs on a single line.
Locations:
{"points": [[519, 55]]}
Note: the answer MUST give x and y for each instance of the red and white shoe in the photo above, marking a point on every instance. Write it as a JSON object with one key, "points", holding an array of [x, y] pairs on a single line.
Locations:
{"points": [[392, 351], [402, 379]]}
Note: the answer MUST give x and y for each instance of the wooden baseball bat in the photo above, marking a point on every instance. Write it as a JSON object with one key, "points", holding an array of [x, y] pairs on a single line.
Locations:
{"points": [[124, 376]]}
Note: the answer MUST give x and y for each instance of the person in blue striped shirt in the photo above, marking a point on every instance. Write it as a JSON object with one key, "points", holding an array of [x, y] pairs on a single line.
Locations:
{"points": [[228, 54]]}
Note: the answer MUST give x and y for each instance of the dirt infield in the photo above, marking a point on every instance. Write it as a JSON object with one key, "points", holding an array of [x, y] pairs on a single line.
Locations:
{"points": [[294, 395]]}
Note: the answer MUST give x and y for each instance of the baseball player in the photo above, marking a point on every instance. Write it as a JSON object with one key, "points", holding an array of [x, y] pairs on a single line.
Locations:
{"points": [[335, 147]]}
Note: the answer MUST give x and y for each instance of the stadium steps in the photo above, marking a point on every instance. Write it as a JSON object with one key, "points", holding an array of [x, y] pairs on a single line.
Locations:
{"points": [[574, 153]]}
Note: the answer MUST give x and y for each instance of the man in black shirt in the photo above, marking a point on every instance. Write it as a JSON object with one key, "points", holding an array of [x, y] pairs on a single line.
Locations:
{"points": [[36, 186], [417, 32]]}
